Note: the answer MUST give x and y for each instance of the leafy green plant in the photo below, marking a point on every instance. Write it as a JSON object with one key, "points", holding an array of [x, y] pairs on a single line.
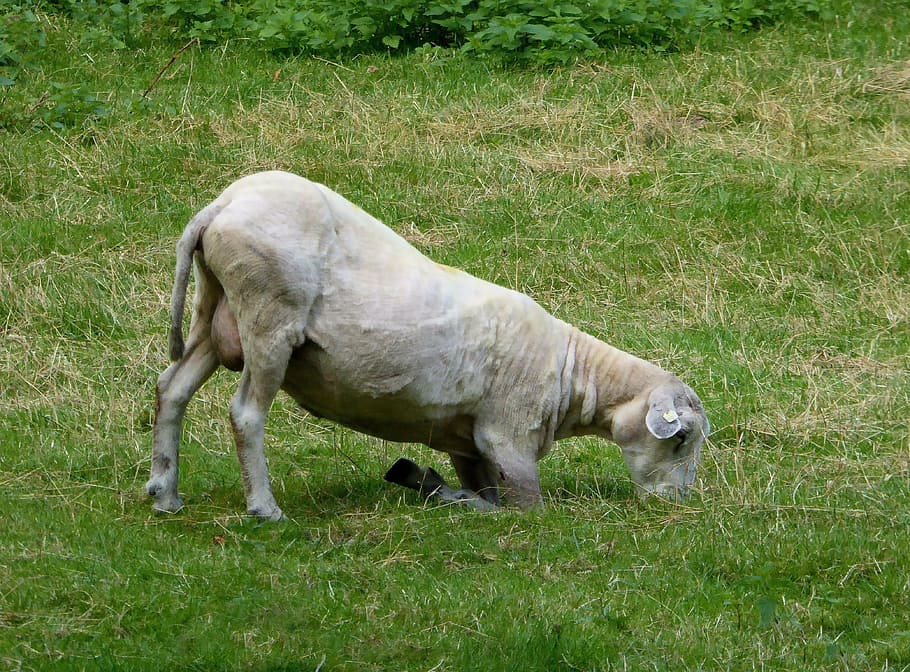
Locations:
{"points": [[205, 19], [20, 30], [536, 30], [68, 105], [108, 25]]}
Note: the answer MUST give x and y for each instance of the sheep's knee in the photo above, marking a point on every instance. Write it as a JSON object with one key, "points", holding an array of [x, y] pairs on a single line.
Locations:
{"points": [[520, 484], [528, 500], [512, 466]]}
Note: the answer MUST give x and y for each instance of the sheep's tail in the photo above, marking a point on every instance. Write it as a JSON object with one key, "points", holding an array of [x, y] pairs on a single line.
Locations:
{"points": [[189, 242]]}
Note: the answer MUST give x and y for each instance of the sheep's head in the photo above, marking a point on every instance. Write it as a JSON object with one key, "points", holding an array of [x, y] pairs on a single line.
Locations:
{"points": [[661, 435]]}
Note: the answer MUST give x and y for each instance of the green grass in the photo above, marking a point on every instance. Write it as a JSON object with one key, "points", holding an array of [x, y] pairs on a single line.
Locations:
{"points": [[737, 213]]}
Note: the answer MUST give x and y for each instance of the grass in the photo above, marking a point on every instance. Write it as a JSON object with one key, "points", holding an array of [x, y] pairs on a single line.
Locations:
{"points": [[737, 213]]}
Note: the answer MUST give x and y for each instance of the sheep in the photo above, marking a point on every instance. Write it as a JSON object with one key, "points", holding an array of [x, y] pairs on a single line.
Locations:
{"points": [[301, 290]]}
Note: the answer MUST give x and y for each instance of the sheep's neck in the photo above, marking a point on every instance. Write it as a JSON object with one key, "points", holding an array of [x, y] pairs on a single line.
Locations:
{"points": [[601, 379]]}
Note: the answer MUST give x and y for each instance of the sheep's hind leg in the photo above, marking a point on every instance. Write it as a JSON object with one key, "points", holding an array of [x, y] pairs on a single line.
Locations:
{"points": [[175, 388], [262, 377]]}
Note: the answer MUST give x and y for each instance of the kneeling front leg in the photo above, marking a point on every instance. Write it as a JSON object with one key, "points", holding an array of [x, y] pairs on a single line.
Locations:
{"points": [[429, 483], [513, 465]]}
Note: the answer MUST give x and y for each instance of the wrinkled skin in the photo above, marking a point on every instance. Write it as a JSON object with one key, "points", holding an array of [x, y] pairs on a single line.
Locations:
{"points": [[303, 291]]}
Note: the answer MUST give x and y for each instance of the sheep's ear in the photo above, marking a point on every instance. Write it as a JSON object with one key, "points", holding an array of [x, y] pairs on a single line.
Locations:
{"points": [[662, 419]]}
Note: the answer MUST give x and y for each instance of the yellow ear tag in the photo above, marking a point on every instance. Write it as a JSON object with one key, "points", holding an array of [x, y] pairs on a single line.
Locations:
{"points": [[671, 415]]}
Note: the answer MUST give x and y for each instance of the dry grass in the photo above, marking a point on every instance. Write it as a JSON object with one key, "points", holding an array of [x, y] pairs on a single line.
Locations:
{"points": [[889, 79], [597, 166]]}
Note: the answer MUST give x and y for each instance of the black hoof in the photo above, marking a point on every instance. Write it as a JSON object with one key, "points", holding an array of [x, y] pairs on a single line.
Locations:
{"points": [[404, 472], [411, 475]]}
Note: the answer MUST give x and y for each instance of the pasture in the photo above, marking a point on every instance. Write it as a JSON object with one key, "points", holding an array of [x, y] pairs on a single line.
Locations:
{"points": [[738, 212]]}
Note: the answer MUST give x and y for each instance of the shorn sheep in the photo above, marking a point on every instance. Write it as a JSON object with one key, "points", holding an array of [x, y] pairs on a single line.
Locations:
{"points": [[303, 291]]}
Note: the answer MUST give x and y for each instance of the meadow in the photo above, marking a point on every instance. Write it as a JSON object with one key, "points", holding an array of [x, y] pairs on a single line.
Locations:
{"points": [[736, 212]]}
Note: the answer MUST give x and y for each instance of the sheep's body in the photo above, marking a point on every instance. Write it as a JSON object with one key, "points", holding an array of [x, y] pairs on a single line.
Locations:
{"points": [[308, 293]]}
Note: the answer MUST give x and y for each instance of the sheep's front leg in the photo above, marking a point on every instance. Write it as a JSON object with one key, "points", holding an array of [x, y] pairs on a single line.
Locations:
{"points": [[477, 476], [512, 461], [431, 485], [259, 384], [175, 388]]}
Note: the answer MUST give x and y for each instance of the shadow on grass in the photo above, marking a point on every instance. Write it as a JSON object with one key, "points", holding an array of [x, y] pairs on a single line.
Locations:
{"points": [[364, 494]]}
